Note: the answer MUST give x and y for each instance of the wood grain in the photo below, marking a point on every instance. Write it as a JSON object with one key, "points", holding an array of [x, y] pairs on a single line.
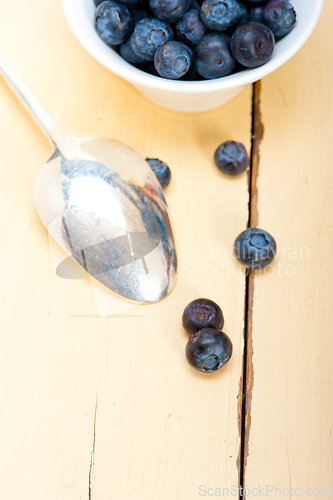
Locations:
{"points": [[107, 408], [291, 415]]}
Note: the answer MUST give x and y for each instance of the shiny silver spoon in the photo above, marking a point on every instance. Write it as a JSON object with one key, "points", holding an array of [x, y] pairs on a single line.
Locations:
{"points": [[103, 205]]}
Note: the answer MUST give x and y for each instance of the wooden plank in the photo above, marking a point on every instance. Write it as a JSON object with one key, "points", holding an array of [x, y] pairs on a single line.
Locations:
{"points": [[161, 429], [290, 440]]}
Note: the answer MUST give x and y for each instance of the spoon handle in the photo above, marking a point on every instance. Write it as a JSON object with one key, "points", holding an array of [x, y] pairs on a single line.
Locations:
{"points": [[13, 79]]}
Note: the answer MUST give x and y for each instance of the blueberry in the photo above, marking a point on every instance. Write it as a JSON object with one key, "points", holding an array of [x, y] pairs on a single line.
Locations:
{"points": [[252, 44], [126, 52], [161, 170], [255, 14], [113, 22], [279, 16], [169, 10], [190, 29], [243, 14], [195, 5], [202, 313], [208, 350], [148, 35], [213, 58], [192, 75], [150, 68], [231, 158], [173, 60], [138, 13], [129, 3], [255, 248], [126, 2], [219, 15]]}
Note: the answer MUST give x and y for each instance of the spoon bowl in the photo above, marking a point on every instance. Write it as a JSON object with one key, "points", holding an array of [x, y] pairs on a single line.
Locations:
{"points": [[101, 202]]}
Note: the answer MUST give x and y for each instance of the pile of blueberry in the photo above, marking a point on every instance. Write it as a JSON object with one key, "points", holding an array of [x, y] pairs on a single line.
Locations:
{"points": [[194, 39]]}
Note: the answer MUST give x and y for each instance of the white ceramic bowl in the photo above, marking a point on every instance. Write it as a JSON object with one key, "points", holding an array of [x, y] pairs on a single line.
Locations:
{"points": [[190, 97]]}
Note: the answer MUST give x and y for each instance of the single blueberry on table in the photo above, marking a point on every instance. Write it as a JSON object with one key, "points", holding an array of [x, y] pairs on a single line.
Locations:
{"points": [[231, 158], [202, 313], [212, 56], [169, 10], [173, 60], [220, 15], [113, 22], [190, 29], [279, 16], [126, 52], [148, 35], [208, 350], [255, 248], [252, 44], [161, 170]]}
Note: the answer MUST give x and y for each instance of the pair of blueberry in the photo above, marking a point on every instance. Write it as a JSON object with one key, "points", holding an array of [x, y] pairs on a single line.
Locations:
{"points": [[208, 348]]}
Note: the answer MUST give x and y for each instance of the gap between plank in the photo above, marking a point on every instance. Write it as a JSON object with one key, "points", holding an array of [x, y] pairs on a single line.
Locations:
{"points": [[92, 451], [247, 378]]}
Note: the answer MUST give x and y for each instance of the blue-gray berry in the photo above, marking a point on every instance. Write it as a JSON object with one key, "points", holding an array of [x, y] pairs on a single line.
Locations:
{"points": [[173, 60], [148, 35], [161, 170], [220, 15], [255, 248], [212, 56], [208, 350], [113, 22]]}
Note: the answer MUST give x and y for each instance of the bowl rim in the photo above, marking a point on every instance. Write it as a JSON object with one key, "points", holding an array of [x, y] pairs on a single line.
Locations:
{"points": [[141, 78]]}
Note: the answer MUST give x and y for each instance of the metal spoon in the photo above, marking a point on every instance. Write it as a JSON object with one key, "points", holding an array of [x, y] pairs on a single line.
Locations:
{"points": [[103, 205]]}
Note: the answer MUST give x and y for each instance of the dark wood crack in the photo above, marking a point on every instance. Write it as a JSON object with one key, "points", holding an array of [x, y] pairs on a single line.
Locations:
{"points": [[247, 378], [92, 453]]}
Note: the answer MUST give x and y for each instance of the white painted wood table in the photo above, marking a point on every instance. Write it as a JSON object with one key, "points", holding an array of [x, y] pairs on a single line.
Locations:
{"points": [[106, 408]]}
